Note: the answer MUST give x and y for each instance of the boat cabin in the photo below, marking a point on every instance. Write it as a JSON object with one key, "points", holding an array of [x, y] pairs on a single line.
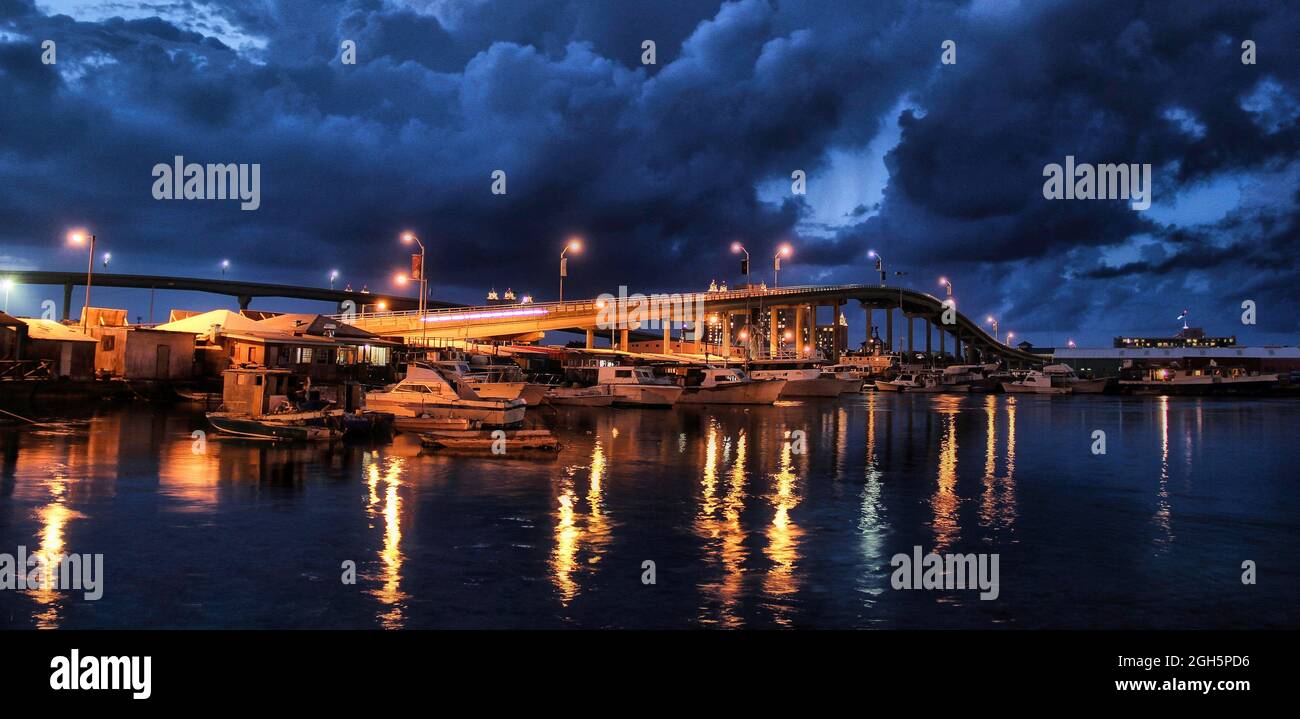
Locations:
{"points": [[257, 391]]}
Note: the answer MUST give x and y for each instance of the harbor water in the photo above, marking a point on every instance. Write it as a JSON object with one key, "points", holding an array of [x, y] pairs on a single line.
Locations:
{"points": [[754, 517]]}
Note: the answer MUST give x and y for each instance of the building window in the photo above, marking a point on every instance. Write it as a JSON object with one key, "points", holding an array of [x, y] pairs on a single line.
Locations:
{"points": [[304, 355], [107, 342]]}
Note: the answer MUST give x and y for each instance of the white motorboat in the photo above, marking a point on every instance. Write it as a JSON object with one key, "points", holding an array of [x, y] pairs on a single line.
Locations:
{"points": [[496, 381], [803, 376], [727, 385], [638, 387], [903, 382], [1063, 375], [1033, 382], [435, 393], [851, 375], [598, 396]]}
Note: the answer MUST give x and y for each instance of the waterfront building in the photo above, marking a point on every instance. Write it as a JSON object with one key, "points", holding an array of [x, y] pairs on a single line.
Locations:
{"points": [[1186, 337], [28, 343], [1108, 361]]}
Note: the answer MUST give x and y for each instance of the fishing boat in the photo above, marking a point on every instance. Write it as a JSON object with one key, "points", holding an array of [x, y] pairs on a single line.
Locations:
{"points": [[481, 439], [300, 428], [599, 396], [803, 376], [1063, 375], [637, 387], [431, 392], [1033, 382], [727, 385]]}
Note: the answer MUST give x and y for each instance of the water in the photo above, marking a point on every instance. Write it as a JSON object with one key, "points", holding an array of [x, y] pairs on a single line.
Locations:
{"points": [[743, 530]]}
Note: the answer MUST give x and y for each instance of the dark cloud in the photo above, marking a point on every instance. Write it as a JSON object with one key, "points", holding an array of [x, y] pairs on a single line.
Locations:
{"points": [[662, 166]]}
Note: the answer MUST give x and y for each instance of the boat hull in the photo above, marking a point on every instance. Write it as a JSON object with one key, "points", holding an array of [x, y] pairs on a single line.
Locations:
{"points": [[499, 413], [585, 397], [1017, 388], [245, 426], [757, 392], [816, 387], [644, 395]]}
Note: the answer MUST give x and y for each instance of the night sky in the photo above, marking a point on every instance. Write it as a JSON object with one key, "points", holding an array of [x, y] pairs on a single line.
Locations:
{"points": [[660, 167]]}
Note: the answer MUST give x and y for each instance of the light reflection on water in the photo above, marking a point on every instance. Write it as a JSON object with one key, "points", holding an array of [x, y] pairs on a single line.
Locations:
{"points": [[745, 530]]}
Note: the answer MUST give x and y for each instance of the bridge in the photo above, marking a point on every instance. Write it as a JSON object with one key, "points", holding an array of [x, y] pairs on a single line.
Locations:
{"points": [[621, 317], [243, 291]]}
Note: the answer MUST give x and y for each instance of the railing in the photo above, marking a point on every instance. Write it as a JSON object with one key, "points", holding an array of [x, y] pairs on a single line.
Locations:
{"points": [[17, 370]]}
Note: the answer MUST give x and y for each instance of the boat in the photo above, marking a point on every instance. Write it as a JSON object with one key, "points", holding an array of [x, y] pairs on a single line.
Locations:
{"points": [[1033, 382], [1209, 380], [1063, 375], [243, 425], [902, 382], [259, 402], [637, 387], [978, 378], [803, 376], [933, 382], [727, 385], [495, 381], [430, 392], [599, 396], [851, 375], [490, 439]]}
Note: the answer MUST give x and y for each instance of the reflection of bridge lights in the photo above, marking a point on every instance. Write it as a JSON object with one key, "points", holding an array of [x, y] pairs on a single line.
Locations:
{"points": [[498, 314]]}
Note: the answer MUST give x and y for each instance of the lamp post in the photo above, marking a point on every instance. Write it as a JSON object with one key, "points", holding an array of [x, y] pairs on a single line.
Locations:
{"points": [[880, 264], [78, 238], [574, 244], [225, 265], [783, 251], [1009, 336], [408, 238], [944, 281], [736, 247], [107, 256], [334, 275], [7, 284], [993, 320]]}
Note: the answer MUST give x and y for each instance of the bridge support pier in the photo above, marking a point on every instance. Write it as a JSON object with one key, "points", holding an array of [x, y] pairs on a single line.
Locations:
{"points": [[591, 339], [622, 339], [772, 331], [799, 311], [929, 353], [889, 323], [869, 312], [942, 334], [67, 300], [910, 325], [243, 301]]}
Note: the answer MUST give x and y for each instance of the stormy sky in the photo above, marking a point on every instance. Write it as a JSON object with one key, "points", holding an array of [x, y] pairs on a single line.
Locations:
{"points": [[660, 167]]}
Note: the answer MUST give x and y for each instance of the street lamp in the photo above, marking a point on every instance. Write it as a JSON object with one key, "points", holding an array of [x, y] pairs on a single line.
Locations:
{"points": [[7, 284], [334, 275], [408, 238], [107, 256], [782, 251], [880, 265], [737, 248], [574, 244], [1009, 336], [944, 281], [225, 265], [77, 238], [992, 320]]}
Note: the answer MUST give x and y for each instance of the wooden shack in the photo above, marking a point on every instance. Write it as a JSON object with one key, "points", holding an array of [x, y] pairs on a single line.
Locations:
{"points": [[138, 353]]}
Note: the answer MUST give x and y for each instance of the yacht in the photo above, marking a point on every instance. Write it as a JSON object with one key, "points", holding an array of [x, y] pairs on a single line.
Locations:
{"points": [[979, 378], [496, 381], [438, 393], [803, 376], [1063, 375], [1033, 382], [727, 385], [637, 387]]}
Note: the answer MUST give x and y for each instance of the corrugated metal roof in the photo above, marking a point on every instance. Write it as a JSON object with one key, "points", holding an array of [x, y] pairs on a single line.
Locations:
{"points": [[51, 330]]}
